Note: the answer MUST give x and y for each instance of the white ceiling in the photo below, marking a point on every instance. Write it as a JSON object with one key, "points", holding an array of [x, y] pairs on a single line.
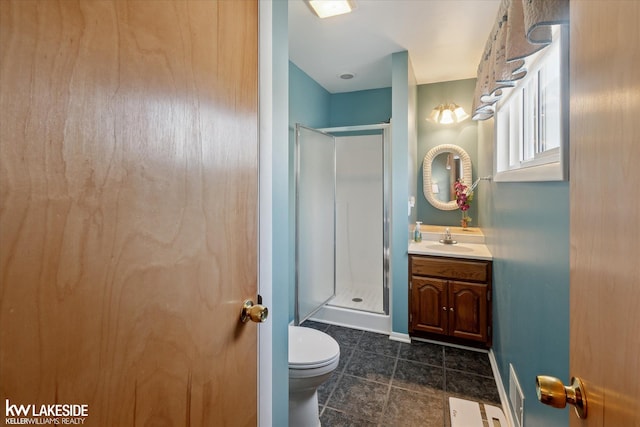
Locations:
{"points": [[445, 40]]}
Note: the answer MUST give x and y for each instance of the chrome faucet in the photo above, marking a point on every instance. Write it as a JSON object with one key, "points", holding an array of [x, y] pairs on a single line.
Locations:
{"points": [[448, 239]]}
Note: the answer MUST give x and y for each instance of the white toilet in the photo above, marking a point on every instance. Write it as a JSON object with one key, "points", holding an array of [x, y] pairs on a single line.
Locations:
{"points": [[313, 356]]}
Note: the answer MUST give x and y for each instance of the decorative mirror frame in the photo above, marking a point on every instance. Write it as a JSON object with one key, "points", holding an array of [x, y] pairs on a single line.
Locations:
{"points": [[465, 162]]}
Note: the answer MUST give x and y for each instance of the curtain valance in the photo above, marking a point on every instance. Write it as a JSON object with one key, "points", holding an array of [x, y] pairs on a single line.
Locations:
{"points": [[522, 28]]}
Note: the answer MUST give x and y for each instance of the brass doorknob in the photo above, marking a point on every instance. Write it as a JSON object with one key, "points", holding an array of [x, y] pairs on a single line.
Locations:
{"points": [[254, 312], [551, 391]]}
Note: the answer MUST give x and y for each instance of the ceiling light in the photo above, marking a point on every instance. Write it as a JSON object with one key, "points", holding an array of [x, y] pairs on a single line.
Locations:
{"points": [[347, 76], [329, 8], [448, 113]]}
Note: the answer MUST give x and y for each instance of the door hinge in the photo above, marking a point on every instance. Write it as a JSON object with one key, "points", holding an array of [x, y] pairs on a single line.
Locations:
{"points": [[410, 317], [489, 296], [489, 331], [410, 284]]}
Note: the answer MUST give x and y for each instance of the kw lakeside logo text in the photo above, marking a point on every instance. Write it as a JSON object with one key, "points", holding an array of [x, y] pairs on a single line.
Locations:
{"points": [[56, 414]]}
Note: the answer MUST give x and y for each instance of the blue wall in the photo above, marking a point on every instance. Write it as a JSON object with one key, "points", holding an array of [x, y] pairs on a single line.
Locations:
{"points": [[280, 217], [430, 135], [527, 231], [309, 103], [400, 192], [313, 106], [528, 235], [363, 107]]}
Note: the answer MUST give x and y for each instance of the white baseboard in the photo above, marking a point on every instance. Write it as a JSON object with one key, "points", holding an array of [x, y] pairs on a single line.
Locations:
{"points": [[396, 336], [504, 396], [448, 344]]}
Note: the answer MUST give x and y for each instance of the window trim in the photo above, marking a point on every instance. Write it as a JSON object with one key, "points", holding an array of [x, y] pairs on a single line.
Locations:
{"points": [[538, 168]]}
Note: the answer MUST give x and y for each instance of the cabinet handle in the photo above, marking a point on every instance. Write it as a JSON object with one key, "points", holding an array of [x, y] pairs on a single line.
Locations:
{"points": [[444, 308], [451, 309]]}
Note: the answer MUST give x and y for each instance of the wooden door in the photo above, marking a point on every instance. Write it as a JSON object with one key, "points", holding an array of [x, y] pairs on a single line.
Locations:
{"points": [[605, 209], [128, 212]]}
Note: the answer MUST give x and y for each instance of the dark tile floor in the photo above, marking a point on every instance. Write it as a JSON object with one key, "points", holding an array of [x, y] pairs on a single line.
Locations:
{"points": [[386, 383]]}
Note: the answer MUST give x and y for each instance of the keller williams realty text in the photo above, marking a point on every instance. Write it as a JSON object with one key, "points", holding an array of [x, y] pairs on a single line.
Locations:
{"points": [[64, 413]]}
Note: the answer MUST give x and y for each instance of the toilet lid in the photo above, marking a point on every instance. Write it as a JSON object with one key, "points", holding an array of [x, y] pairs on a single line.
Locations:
{"points": [[309, 348]]}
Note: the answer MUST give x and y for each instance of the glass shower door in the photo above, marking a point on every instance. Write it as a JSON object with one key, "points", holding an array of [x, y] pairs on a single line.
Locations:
{"points": [[315, 171]]}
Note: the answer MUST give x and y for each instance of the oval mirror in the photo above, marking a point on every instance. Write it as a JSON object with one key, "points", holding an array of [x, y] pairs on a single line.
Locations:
{"points": [[442, 167]]}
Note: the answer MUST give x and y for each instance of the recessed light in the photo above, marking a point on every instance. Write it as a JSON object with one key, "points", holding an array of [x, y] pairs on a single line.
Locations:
{"points": [[347, 76], [329, 8]]}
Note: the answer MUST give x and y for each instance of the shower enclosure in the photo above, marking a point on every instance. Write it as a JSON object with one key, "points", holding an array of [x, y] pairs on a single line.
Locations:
{"points": [[342, 225]]}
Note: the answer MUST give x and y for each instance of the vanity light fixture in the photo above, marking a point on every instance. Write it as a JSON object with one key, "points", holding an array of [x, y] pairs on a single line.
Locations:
{"points": [[448, 113], [329, 8]]}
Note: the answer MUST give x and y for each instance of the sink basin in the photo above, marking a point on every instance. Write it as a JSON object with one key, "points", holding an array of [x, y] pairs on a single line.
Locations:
{"points": [[448, 248]]}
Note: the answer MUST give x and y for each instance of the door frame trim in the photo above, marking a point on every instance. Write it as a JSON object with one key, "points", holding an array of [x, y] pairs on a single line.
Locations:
{"points": [[265, 204]]}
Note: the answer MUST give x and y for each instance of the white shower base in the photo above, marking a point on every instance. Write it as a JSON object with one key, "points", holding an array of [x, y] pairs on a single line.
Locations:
{"points": [[356, 319], [365, 298]]}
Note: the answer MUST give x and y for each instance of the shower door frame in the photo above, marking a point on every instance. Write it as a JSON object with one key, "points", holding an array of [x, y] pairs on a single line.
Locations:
{"points": [[386, 195], [297, 318]]}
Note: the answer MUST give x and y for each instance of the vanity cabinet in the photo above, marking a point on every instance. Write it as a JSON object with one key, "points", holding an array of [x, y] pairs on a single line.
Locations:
{"points": [[450, 299]]}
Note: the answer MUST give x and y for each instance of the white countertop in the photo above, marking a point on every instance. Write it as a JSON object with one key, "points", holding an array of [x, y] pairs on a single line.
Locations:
{"points": [[459, 250], [470, 243]]}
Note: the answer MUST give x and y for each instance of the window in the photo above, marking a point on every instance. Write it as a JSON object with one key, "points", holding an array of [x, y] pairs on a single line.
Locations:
{"points": [[532, 119]]}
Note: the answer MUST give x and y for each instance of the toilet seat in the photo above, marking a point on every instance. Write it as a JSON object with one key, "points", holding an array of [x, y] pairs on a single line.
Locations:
{"points": [[313, 356], [311, 349]]}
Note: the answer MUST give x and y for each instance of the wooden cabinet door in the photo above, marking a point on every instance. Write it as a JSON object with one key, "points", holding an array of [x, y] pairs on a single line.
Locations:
{"points": [[468, 310], [429, 305]]}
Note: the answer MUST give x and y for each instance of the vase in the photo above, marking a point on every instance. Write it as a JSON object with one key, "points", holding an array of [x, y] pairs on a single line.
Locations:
{"points": [[466, 219]]}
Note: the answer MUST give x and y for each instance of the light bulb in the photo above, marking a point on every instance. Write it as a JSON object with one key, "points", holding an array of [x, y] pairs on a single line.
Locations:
{"points": [[435, 115], [446, 117], [460, 114]]}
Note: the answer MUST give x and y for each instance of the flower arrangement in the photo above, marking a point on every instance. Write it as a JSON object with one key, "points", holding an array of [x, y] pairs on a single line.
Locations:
{"points": [[464, 197]]}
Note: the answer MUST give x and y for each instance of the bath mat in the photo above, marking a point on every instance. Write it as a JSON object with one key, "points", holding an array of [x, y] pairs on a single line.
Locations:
{"points": [[495, 414], [465, 413]]}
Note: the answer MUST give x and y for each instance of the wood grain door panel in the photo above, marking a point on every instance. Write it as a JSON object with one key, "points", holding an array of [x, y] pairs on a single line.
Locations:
{"points": [[468, 310], [605, 222], [429, 305], [128, 182]]}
